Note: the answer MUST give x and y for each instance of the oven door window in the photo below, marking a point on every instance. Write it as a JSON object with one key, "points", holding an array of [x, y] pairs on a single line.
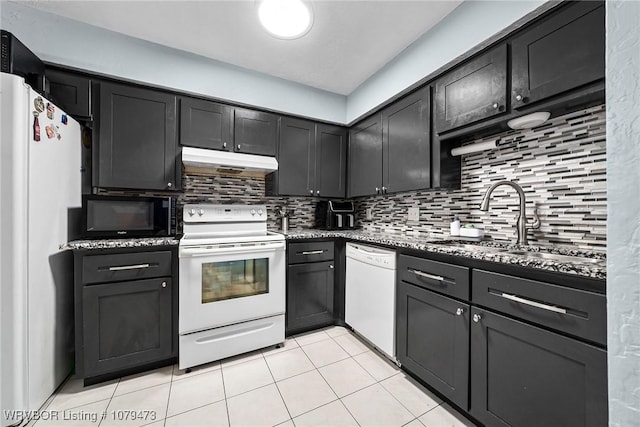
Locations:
{"points": [[234, 279]]}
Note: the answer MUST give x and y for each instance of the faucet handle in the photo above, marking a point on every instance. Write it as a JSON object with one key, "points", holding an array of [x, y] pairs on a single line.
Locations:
{"points": [[536, 220]]}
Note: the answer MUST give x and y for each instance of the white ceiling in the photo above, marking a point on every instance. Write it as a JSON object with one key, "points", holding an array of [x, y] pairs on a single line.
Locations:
{"points": [[350, 39]]}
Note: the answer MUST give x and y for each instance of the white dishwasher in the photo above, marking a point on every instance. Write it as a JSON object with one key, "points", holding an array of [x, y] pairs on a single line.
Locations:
{"points": [[370, 295]]}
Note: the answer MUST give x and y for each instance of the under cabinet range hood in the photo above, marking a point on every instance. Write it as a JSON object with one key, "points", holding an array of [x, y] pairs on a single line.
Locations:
{"points": [[201, 160]]}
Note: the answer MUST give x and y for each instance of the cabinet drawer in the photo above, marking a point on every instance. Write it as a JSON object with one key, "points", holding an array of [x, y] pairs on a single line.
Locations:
{"points": [[130, 266], [576, 312], [445, 278], [310, 252]]}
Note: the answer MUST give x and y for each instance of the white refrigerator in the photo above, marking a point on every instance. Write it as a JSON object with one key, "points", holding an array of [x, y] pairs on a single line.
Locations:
{"points": [[40, 149]]}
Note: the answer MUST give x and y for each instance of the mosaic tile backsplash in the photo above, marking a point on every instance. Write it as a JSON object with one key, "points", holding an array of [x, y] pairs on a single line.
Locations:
{"points": [[560, 166]]}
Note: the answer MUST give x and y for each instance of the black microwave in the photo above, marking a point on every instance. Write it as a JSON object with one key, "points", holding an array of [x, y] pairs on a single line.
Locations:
{"points": [[105, 217]]}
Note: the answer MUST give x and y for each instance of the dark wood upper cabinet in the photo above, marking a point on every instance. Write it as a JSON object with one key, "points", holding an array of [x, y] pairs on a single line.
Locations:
{"points": [[72, 92], [561, 53], [406, 159], [391, 151], [255, 132], [365, 157], [526, 376], [205, 124], [296, 157], [137, 139], [311, 160], [331, 161], [474, 91]]}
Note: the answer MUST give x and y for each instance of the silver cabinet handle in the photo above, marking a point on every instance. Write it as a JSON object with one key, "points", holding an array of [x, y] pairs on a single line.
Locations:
{"points": [[164, 284], [224, 145], [317, 192], [427, 275], [518, 97], [311, 192], [311, 252], [331, 266], [459, 311], [477, 318], [384, 189], [169, 184], [534, 303], [495, 105], [130, 267], [238, 146], [377, 190]]}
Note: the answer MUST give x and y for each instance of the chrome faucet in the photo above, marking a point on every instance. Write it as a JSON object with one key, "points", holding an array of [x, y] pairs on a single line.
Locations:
{"points": [[521, 224]]}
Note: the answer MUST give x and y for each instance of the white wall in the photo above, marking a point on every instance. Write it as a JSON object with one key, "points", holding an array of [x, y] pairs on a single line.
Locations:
{"points": [[623, 214], [68, 42], [467, 26], [72, 43]]}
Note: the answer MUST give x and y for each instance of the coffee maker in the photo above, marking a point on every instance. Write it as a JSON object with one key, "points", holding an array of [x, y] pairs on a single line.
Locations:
{"points": [[335, 215]]}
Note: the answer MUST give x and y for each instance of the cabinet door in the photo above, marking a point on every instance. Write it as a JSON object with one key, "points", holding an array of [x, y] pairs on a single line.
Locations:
{"points": [[309, 295], [205, 124], [126, 324], [296, 157], [523, 376], [136, 139], [255, 132], [406, 148], [72, 92], [559, 54], [475, 91], [432, 340], [331, 161], [365, 157]]}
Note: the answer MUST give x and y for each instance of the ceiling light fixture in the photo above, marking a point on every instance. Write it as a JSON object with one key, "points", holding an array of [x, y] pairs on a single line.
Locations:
{"points": [[285, 19]]}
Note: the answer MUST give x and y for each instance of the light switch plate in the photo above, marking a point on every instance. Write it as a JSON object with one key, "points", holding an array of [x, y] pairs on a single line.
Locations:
{"points": [[369, 214], [414, 215]]}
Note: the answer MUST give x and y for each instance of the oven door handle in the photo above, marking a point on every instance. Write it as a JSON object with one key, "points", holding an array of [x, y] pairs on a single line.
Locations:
{"points": [[194, 252]]}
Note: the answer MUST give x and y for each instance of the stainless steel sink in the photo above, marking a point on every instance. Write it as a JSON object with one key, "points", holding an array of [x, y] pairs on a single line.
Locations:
{"points": [[557, 257], [468, 247]]}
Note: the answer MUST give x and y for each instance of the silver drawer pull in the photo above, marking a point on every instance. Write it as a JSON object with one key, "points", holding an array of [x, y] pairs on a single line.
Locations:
{"points": [[311, 252], [130, 267], [427, 275], [534, 303]]}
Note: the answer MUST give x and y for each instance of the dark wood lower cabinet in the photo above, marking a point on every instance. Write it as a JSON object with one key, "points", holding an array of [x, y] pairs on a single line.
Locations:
{"points": [[126, 324], [522, 375], [126, 310], [432, 333], [309, 295]]}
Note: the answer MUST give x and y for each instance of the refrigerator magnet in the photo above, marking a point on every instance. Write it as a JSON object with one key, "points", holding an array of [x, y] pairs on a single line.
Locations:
{"points": [[36, 127], [64, 119], [50, 131], [38, 104], [50, 110]]}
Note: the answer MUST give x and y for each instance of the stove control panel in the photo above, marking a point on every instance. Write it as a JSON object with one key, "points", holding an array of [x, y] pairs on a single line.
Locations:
{"points": [[224, 213]]}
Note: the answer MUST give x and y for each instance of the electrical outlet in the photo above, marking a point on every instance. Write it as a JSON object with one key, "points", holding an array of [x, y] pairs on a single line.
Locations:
{"points": [[369, 214], [414, 215]]}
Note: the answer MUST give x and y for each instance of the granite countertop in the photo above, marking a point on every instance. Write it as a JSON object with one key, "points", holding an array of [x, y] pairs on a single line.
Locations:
{"points": [[120, 243], [561, 259]]}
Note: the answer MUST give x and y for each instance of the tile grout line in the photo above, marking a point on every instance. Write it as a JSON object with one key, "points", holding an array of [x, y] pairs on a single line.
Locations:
{"points": [[279, 392], [224, 390], [106, 410]]}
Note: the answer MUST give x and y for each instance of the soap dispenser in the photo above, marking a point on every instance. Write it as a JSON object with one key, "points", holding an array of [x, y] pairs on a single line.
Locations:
{"points": [[455, 226]]}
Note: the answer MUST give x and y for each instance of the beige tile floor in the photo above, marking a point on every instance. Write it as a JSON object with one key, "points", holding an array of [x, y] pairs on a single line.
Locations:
{"points": [[323, 378]]}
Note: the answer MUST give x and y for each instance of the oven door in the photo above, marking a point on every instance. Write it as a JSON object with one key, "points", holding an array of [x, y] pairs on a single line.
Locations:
{"points": [[230, 283]]}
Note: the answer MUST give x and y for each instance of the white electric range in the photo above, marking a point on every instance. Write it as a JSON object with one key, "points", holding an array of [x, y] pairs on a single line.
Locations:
{"points": [[232, 283]]}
